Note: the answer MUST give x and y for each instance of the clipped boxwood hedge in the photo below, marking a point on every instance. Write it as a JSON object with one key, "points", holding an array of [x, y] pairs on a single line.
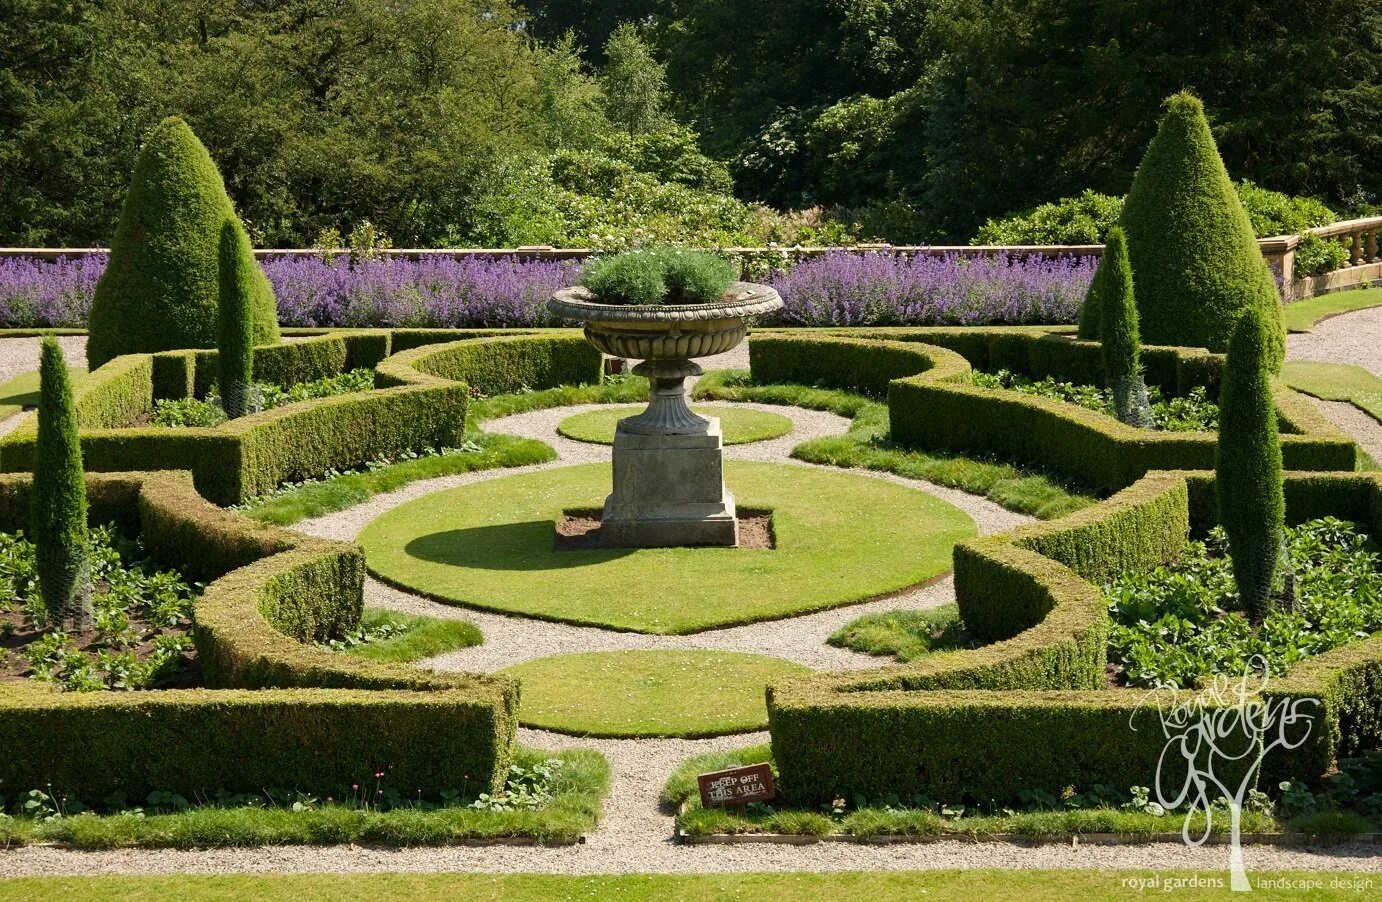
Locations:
{"points": [[934, 408], [1031, 710], [420, 401], [277, 712]]}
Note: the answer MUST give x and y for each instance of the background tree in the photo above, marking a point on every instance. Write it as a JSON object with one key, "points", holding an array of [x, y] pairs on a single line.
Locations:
{"points": [[235, 320], [634, 82], [58, 516], [1252, 506], [1118, 327], [160, 289]]}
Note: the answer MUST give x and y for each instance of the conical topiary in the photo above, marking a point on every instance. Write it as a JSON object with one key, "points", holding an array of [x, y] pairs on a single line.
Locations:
{"points": [[1252, 506], [1121, 347], [57, 517], [1194, 255], [235, 345], [160, 287]]}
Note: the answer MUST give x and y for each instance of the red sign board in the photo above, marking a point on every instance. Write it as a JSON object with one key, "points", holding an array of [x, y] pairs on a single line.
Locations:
{"points": [[737, 786]]}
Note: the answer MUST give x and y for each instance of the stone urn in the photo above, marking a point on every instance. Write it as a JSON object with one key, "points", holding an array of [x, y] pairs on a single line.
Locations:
{"points": [[669, 487]]}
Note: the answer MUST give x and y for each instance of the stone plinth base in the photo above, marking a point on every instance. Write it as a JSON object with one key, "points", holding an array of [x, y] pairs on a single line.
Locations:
{"points": [[669, 490]]}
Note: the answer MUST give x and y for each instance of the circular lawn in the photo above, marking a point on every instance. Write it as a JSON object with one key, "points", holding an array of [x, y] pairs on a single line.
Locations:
{"points": [[741, 425]]}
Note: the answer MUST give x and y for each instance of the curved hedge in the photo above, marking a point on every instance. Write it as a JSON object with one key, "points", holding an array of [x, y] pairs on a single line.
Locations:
{"points": [[1032, 710], [420, 401], [932, 407], [277, 712]]}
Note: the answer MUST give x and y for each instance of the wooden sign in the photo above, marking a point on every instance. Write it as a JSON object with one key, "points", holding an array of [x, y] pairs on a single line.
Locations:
{"points": [[737, 786]]}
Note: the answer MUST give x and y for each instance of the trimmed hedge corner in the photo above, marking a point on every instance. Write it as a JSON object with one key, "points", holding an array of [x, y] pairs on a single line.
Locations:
{"points": [[420, 402], [932, 407], [277, 712], [1031, 710]]}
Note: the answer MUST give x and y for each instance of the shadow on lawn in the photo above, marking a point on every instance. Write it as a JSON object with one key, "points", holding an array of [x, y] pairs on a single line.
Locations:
{"points": [[530, 545]]}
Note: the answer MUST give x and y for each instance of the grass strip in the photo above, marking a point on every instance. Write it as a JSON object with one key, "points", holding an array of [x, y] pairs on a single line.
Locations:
{"points": [[413, 637], [866, 446], [1303, 316], [580, 785]]}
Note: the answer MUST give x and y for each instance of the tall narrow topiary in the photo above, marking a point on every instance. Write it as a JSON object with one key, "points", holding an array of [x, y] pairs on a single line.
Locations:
{"points": [[58, 515], [160, 287], [1121, 347], [1193, 252], [1252, 506], [235, 354]]}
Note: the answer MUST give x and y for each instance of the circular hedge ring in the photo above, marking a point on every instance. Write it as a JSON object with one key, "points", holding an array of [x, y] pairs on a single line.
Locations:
{"points": [[840, 538], [647, 693], [741, 425]]}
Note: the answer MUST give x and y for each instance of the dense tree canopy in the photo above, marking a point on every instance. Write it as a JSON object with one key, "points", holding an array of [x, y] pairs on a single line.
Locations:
{"points": [[911, 119]]}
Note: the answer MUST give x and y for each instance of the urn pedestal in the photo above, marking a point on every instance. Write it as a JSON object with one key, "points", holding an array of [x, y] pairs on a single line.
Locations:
{"points": [[669, 487]]}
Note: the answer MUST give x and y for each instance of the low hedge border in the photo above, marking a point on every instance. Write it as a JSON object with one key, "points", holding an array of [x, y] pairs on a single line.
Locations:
{"points": [[932, 408], [421, 401], [1032, 711], [278, 712]]}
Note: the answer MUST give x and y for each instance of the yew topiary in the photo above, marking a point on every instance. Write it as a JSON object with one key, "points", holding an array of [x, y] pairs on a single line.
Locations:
{"points": [[1252, 506], [1194, 256], [160, 288], [235, 308], [57, 517], [1121, 346]]}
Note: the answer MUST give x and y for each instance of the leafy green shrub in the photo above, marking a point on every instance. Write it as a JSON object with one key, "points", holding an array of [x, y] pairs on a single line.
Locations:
{"points": [[1122, 350], [212, 411], [1180, 623], [1316, 256], [159, 291], [58, 518], [1252, 506], [1192, 413], [660, 275], [1195, 260], [235, 323]]}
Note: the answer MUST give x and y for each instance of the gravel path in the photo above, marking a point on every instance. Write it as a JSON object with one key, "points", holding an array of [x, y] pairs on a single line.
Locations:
{"points": [[20, 355], [1354, 338]]}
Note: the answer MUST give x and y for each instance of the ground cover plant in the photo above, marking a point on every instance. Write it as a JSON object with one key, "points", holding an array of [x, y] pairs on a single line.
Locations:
{"points": [[141, 620], [1192, 412], [491, 545], [1184, 622], [741, 425], [391, 637], [866, 446], [547, 796], [210, 411], [644, 693], [1096, 808]]}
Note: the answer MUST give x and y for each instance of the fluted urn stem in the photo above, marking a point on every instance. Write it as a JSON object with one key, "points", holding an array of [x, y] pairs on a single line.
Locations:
{"points": [[667, 412]]}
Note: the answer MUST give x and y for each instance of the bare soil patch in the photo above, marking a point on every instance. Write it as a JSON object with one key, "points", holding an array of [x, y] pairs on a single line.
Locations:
{"points": [[579, 530]]}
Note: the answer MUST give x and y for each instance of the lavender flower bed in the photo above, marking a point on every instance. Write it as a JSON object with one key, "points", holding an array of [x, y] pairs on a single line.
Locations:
{"points": [[844, 289], [839, 289]]}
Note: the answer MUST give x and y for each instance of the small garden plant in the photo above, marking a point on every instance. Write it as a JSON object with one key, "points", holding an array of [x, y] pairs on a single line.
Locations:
{"points": [[660, 275], [212, 410], [137, 638], [1192, 412]]}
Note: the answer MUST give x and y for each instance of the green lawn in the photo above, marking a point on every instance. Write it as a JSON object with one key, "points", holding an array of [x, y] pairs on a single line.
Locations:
{"points": [[1337, 382], [875, 886], [841, 538], [866, 446], [905, 635], [22, 391], [741, 425], [1302, 316], [624, 694], [412, 637]]}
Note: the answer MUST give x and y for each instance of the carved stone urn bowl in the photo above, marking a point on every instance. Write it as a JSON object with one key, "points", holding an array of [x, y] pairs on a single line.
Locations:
{"points": [[668, 467]]}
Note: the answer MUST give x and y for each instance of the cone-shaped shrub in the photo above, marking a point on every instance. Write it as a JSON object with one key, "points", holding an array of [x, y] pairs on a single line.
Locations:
{"points": [[58, 516], [1122, 349], [1252, 507], [160, 287], [1092, 310], [235, 357], [1193, 252]]}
